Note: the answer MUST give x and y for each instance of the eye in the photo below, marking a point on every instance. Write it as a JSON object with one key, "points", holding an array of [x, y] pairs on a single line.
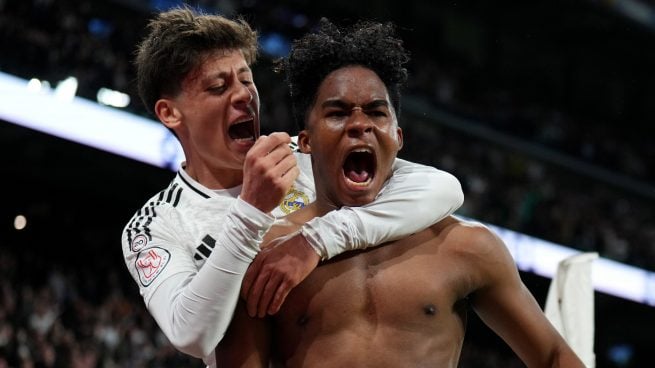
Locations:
{"points": [[377, 113], [217, 89], [245, 77], [336, 113]]}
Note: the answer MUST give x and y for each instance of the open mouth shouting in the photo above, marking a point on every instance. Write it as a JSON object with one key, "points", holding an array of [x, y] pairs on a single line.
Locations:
{"points": [[359, 168], [243, 130]]}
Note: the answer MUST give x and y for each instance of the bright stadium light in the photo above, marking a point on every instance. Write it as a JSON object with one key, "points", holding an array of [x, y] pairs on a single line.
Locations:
{"points": [[89, 123], [34, 85], [66, 89], [20, 222], [113, 98], [611, 277]]}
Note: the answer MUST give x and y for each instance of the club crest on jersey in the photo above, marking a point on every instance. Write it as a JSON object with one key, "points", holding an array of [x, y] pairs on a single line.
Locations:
{"points": [[294, 200], [138, 243], [150, 263]]}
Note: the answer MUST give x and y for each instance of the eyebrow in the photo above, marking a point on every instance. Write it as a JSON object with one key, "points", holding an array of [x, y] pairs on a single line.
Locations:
{"points": [[343, 105], [244, 69], [375, 104], [223, 74]]}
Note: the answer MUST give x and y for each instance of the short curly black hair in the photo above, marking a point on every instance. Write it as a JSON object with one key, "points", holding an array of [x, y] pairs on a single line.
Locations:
{"points": [[370, 44]]}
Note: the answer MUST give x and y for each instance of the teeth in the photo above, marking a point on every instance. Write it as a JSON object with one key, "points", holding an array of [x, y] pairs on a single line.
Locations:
{"points": [[362, 150], [362, 184], [242, 121], [248, 139]]}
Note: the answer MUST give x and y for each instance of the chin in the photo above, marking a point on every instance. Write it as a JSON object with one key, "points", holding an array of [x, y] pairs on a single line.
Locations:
{"points": [[358, 200]]}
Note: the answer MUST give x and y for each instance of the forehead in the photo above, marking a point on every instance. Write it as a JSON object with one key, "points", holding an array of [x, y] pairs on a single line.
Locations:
{"points": [[353, 84], [216, 64]]}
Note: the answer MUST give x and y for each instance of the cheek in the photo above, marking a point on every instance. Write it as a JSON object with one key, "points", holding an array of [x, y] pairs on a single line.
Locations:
{"points": [[334, 128], [327, 130], [388, 137], [210, 126], [255, 95]]}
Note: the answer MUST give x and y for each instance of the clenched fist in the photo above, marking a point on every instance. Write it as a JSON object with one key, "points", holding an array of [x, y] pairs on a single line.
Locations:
{"points": [[269, 171]]}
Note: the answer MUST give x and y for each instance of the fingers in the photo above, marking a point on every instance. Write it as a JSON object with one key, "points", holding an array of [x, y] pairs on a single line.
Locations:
{"points": [[267, 143], [280, 296], [267, 294], [269, 171], [280, 269], [251, 275], [283, 161], [255, 293], [272, 150], [292, 172], [263, 279]]}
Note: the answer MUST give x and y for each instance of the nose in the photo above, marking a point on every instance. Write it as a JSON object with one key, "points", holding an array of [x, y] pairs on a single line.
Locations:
{"points": [[242, 94], [359, 123]]}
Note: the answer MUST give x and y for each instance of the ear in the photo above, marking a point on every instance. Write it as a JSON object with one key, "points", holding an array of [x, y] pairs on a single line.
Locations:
{"points": [[303, 142], [167, 113], [399, 136]]}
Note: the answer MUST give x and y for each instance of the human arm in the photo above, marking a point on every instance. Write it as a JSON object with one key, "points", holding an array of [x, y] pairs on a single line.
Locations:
{"points": [[192, 301], [193, 306], [505, 305], [415, 197]]}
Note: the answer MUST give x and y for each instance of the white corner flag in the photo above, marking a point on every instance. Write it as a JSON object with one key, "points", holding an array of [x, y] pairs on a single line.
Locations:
{"points": [[570, 305]]}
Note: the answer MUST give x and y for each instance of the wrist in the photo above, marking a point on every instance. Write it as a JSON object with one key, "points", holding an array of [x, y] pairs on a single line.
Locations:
{"points": [[309, 252], [311, 240]]}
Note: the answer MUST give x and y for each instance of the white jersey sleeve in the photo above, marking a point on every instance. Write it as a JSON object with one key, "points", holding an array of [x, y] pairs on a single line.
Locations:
{"points": [[191, 297], [415, 197]]}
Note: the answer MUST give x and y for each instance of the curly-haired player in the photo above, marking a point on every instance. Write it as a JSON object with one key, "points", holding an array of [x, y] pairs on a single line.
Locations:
{"points": [[399, 305], [316, 55]]}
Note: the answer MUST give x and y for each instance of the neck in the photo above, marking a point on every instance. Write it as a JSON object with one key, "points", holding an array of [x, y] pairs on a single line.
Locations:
{"points": [[215, 179], [323, 205], [318, 208]]}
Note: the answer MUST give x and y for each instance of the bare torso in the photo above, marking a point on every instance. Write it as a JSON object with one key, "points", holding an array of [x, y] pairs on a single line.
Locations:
{"points": [[400, 305], [391, 306]]}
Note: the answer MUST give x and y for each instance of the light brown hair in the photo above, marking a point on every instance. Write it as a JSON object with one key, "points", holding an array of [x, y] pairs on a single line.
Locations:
{"points": [[176, 42]]}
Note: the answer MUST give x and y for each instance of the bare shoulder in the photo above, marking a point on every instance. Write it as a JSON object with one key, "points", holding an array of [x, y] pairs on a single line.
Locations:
{"points": [[472, 235], [473, 241]]}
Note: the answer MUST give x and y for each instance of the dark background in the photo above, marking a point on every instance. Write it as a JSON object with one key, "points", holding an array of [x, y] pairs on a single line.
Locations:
{"points": [[544, 111]]}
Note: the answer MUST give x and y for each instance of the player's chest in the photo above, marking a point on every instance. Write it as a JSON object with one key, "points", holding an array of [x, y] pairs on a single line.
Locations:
{"points": [[405, 289]]}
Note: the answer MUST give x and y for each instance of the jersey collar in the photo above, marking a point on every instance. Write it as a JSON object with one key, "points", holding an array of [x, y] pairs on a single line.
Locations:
{"points": [[184, 179]]}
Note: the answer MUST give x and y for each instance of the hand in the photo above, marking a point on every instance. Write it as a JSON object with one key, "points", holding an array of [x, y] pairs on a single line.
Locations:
{"points": [[275, 271], [269, 171]]}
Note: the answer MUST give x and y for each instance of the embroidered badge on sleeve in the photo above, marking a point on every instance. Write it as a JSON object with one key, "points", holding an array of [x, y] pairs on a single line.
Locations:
{"points": [[150, 263]]}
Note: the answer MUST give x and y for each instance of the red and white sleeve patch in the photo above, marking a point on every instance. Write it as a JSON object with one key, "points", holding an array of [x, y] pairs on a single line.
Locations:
{"points": [[150, 263]]}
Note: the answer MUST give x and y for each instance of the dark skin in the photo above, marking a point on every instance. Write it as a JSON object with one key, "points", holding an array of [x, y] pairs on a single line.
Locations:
{"points": [[391, 306]]}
